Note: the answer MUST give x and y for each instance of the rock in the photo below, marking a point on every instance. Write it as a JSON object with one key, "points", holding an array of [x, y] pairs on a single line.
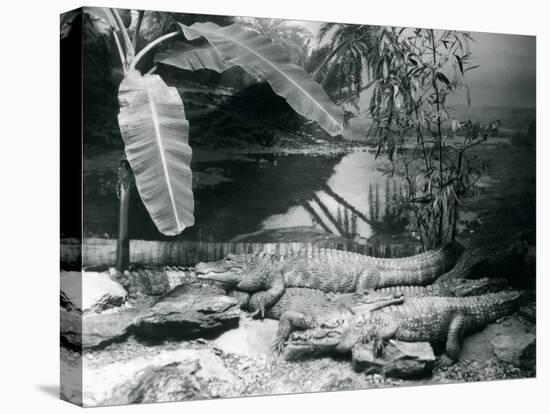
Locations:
{"points": [[293, 352], [529, 312], [70, 365], [90, 291], [478, 346], [92, 330], [70, 326], [519, 350], [182, 374], [253, 337], [189, 311], [398, 359]]}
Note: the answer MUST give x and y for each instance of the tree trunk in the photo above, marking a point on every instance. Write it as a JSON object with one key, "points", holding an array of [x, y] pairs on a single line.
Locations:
{"points": [[470, 258], [123, 245]]}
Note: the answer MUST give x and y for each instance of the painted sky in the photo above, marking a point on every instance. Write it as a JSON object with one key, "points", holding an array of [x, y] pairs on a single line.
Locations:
{"points": [[507, 73]]}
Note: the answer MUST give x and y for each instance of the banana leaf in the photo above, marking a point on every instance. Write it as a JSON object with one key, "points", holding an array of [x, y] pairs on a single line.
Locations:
{"points": [[257, 54], [187, 57], [155, 132], [103, 14]]}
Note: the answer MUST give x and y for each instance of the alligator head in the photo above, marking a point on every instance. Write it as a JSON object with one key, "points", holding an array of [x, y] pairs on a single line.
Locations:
{"points": [[328, 335], [228, 270], [239, 270], [473, 287], [354, 332], [314, 341]]}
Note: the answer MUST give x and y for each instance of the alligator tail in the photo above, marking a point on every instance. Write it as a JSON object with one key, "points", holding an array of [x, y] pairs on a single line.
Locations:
{"points": [[487, 308]]}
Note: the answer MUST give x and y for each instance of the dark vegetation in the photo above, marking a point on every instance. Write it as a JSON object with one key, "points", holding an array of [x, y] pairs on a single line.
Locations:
{"points": [[527, 138]]}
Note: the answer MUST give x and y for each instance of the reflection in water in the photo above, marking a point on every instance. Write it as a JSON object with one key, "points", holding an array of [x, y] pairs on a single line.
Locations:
{"points": [[350, 204], [345, 195]]}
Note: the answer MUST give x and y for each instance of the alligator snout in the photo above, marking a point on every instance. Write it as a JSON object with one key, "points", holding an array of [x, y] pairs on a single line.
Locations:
{"points": [[201, 268], [205, 271]]}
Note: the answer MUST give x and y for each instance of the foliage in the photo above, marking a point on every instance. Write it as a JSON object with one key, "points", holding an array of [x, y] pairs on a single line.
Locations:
{"points": [[152, 117], [101, 69], [294, 39], [259, 56], [411, 73], [392, 221], [155, 133], [416, 71], [154, 25], [339, 64]]}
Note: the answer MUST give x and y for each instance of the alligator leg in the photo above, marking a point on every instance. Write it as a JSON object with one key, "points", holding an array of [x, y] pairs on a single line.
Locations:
{"points": [[454, 338], [289, 322], [371, 304], [241, 297], [263, 300], [368, 279]]}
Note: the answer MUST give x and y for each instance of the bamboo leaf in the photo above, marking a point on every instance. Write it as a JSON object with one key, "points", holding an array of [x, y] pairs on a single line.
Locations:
{"points": [[460, 66], [257, 54], [443, 78], [155, 133], [413, 61]]}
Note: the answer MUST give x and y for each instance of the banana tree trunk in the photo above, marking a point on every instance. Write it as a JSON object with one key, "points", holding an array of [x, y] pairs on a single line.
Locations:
{"points": [[123, 244]]}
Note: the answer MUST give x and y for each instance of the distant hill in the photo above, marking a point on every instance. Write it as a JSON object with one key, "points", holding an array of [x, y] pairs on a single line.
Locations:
{"points": [[511, 118]]}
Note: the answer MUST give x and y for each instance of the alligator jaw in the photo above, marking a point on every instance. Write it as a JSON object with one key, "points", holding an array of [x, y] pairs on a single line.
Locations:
{"points": [[311, 342], [227, 276], [476, 287]]}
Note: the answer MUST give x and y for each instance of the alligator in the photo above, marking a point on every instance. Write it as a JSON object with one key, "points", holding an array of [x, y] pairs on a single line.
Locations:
{"points": [[417, 319], [303, 308], [325, 269], [449, 288]]}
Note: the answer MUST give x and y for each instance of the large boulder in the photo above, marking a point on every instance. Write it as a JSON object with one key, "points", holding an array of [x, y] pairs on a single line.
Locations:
{"points": [[90, 291], [478, 346], [252, 338], [397, 359], [189, 311], [519, 350], [91, 330], [503, 341], [172, 375]]}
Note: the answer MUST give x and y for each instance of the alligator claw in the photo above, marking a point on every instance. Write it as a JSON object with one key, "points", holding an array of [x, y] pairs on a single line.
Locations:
{"points": [[378, 347], [254, 314], [443, 361], [258, 313], [278, 346]]}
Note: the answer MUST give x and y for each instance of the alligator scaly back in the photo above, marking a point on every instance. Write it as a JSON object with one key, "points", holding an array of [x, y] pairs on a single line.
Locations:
{"points": [[431, 319], [325, 269]]}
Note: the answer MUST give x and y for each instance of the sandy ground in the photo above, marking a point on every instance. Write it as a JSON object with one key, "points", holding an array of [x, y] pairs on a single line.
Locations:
{"points": [[240, 363]]}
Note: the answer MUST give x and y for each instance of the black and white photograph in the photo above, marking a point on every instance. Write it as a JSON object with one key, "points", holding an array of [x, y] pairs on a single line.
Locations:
{"points": [[273, 206]]}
